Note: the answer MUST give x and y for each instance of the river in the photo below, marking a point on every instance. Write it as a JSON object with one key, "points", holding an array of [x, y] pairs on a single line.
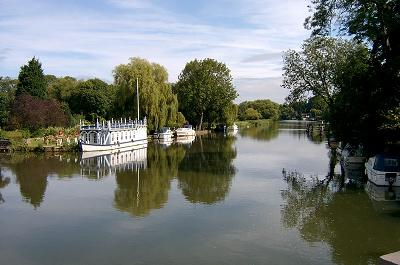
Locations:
{"points": [[258, 197]]}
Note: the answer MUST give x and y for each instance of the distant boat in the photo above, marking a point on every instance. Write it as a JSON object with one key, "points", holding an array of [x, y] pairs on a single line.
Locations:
{"points": [[233, 128], [165, 133], [186, 130], [383, 170]]}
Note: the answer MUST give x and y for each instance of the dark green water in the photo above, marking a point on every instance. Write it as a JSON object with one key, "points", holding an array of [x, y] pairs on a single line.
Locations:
{"points": [[218, 200]]}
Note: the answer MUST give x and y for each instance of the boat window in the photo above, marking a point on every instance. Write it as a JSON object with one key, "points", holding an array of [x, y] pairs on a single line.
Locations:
{"points": [[387, 163]]}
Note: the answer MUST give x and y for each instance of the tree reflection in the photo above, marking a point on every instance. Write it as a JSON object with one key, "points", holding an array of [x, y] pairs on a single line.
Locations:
{"points": [[3, 182], [206, 172], [343, 218], [138, 192], [262, 133], [32, 170]]}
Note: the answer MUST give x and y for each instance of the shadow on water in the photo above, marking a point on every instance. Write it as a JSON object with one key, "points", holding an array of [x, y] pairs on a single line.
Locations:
{"points": [[358, 225]]}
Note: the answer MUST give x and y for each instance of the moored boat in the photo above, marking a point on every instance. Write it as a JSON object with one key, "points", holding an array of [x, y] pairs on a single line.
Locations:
{"points": [[165, 133], [186, 130], [383, 170], [112, 135]]}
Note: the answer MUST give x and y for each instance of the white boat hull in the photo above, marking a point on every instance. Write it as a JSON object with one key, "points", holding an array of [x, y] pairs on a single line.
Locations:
{"points": [[165, 136], [109, 147], [379, 178]]}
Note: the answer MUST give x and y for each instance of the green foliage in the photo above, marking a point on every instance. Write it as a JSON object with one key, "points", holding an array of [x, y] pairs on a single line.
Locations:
{"points": [[61, 88], [205, 91], [317, 69], [91, 98], [251, 114], [369, 88], [265, 107], [157, 102], [180, 119], [31, 79], [287, 112], [7, 95]]}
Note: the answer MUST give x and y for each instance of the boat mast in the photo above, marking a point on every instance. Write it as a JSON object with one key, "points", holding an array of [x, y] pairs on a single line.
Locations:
{"points": [[137, 93]]}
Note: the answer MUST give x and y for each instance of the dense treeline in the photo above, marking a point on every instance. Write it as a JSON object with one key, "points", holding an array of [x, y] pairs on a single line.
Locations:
{"points": [[258, 109], [358, 78], [36, 100]]}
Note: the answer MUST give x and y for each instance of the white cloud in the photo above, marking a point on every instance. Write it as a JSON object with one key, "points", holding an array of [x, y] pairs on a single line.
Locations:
{"points": [[85, 42]]}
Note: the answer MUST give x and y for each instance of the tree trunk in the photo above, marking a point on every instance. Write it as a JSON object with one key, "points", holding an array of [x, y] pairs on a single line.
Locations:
{"points": [[201, 121]]}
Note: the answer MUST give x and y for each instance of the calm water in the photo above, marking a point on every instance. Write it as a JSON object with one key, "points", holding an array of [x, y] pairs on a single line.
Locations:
{"points": [[255, 198]]}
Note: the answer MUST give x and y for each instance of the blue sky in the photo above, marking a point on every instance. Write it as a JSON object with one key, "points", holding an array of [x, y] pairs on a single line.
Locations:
{"points": [[89, 38]]}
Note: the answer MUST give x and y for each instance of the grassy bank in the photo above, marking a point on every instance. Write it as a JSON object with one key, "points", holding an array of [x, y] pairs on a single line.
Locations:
{"points": [[254, 123], [48, 139]]}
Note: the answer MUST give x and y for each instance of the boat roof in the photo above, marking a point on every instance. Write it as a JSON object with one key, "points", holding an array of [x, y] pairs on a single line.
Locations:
{"points": [[387, 162]]}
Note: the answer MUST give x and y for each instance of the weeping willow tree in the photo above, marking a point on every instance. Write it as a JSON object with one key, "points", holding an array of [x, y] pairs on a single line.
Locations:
{"points": [[157, 102]]}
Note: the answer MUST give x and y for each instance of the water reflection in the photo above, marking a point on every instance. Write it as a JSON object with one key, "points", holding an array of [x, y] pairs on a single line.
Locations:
{"points": [[146, 188], [4, 181], [32, 170], [206, 172], [384, 198], [343, 218], [262, 133], [97, 165]]}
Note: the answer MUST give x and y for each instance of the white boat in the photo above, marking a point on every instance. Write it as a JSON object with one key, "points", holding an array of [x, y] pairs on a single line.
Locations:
{"points": [[112, 135], [165, 133], [234, 128], [186, 130], [383, 170]]}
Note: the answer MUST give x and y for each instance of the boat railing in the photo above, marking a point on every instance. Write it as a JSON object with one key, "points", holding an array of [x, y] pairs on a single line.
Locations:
{"points": [[115, 125]]}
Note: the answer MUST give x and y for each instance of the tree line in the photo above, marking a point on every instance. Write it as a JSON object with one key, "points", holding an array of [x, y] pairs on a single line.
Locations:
{"points": [[204, 91], [351, 63]]}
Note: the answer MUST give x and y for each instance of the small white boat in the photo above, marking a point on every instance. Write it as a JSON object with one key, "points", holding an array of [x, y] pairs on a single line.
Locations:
{"points": [[383, 170], [186, 130], [234, 128], [165, 133]]}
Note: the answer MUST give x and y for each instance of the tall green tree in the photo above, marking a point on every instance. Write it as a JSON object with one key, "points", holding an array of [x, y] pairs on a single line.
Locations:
{"points": [[317, 69], [205, 90], [31, 79], [265, 107], [7, 95], [157, 102], [62, 88], [377, 23], [92, 98]]}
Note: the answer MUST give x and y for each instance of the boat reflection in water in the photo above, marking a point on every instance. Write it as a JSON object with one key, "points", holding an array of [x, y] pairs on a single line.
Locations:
{"points": [[186, 140], [384, 198], [96, 165]]}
